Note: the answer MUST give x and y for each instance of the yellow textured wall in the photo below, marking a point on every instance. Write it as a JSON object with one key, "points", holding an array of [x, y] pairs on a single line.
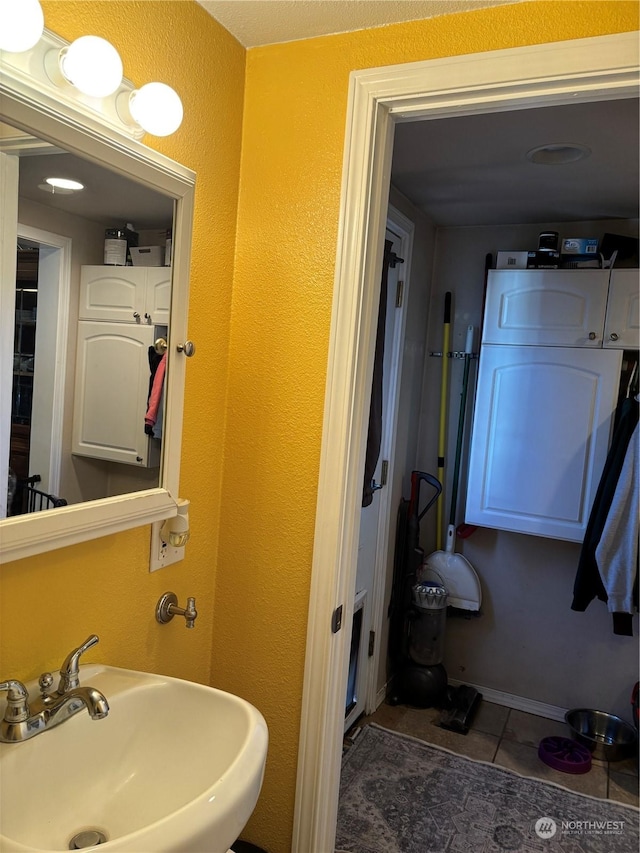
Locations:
{"points": [[253, 505], [296, 97], [51, 602]]}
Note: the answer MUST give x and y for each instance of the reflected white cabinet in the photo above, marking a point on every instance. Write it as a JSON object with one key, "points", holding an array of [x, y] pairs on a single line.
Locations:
{"points": [[541, 432], [622, 326], [546, 307], [121, 311], [112, 386], [126, 294]]}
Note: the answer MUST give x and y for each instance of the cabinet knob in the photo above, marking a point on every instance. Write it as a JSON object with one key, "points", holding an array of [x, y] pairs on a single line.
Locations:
{"points": [[136, 316], [613, 336], [592, 336], [188, 348]]}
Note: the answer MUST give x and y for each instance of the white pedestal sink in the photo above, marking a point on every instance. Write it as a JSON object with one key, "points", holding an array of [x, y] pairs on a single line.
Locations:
{"points": [[175, 766]]}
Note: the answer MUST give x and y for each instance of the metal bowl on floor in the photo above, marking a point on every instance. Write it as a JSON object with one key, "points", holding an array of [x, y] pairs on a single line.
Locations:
{"points": [[608, 737]]}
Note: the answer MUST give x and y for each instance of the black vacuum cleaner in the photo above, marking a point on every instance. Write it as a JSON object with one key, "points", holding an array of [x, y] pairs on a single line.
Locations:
{"points": [[417, 613]]}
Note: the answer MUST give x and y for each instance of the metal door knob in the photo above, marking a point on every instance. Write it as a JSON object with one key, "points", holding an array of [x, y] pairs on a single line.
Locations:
{"points": [[188, 348]]}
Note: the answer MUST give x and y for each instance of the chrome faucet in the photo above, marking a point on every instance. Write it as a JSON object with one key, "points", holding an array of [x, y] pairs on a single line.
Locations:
{"points": [[24, 719]]}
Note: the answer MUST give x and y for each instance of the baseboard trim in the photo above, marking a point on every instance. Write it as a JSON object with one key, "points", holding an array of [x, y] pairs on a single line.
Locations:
{"points": [[518, 703]]}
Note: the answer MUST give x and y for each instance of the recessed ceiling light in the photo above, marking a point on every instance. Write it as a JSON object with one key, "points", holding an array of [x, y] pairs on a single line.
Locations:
{"points": [[64, 184], [558, 153]]}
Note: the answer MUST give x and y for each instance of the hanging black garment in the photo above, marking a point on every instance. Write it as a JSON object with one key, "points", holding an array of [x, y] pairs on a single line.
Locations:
{"points": [[588, 584], [374, 436]]}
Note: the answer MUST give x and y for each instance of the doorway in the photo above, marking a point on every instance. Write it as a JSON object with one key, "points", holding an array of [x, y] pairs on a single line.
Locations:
{"points": [[588, 69], [39, 361], [367, 670]]}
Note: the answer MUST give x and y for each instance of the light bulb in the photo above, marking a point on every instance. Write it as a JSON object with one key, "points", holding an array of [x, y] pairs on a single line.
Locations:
{"points": [[156, 108], [92, 65], [21, 25]]}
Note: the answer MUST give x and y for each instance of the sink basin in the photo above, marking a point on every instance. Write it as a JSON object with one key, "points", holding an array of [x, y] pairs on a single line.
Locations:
{"points": [[175, 766]]}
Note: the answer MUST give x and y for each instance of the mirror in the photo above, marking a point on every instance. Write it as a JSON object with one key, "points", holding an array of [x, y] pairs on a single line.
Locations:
{"points": [[53, 281]]}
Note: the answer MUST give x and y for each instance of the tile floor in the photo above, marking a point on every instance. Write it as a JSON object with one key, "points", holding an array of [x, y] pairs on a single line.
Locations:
{"points": [[510, 738]]}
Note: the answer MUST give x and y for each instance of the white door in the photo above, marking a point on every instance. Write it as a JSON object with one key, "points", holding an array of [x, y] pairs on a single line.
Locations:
{"points": [[371, 554], [540, 437], [108, 417]]}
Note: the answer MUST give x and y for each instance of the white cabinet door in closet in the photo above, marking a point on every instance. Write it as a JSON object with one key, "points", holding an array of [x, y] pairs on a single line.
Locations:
{"points": [[158, 295], [540, 437], [622, 326], [546, 307], [111, 293], [112, 387], [125, 294]]}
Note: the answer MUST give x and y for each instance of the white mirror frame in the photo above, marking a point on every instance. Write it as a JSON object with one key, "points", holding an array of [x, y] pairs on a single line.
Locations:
{"points": [[38, 108]]}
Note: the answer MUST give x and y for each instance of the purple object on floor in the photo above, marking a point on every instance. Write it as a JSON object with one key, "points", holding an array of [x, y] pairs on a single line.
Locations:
{"points": [[564, 754]]}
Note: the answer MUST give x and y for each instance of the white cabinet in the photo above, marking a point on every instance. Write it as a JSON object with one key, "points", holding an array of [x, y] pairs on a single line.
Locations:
{"points": [[622, 326], [541, 432], [122, 310], [126, 294], [548, 381], [576, 308], [112, 385], [546, 307]]}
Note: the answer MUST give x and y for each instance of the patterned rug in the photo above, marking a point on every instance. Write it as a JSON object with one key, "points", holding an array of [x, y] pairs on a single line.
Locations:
{"points": [[401, 795]]}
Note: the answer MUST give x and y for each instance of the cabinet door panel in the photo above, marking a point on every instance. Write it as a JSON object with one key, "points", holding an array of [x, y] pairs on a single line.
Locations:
{"points": [[112, 293], [540, 438], [546, 307], [622, 327], [158, 295], [112, 386]]}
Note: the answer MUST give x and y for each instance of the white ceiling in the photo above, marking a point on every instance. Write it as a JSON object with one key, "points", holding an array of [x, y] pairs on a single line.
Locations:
{"points": [[259, 22], [472, 170]]}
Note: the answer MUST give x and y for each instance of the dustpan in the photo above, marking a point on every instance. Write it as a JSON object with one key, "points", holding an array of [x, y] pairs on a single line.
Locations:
{"points": [[455, 573], [453, 570]]}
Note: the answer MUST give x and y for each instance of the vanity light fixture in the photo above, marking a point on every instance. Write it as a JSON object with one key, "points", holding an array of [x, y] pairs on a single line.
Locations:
{"points": [[92, 65], [86, 76], [155, 107], [21, 25]]}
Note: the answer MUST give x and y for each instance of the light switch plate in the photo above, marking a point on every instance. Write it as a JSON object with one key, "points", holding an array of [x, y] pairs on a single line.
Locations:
{"points": [[161, 553]]}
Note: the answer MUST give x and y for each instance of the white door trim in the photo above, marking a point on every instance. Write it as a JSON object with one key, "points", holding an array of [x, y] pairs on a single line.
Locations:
{"points": [[9, 177], [58, 358], [563, 72]]}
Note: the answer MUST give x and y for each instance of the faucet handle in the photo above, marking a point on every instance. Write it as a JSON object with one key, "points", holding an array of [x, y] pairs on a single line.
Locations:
{"points": [[69, 672], [17, 709]]}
